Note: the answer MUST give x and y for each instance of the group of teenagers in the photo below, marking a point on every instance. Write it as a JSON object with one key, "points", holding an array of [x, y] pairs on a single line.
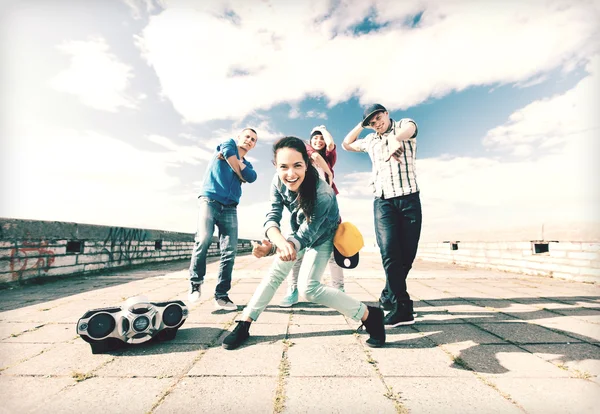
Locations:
{"points": [[303, 184]]}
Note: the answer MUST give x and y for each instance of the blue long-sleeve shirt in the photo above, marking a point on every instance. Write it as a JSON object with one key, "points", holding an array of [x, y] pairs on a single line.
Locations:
{"points": [[220, 182]]}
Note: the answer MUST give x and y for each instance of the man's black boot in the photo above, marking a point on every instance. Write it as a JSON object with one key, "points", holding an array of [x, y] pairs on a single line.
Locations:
{"points": [[238, 336], [374, 326], [386, 304], [402, 314]]}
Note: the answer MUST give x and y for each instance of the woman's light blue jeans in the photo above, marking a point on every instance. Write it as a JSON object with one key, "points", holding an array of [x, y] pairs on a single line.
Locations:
{"points": [[314, 261]]}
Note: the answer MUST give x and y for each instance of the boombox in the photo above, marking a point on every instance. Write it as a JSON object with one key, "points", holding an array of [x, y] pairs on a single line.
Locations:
{"points": [[137, 321]]}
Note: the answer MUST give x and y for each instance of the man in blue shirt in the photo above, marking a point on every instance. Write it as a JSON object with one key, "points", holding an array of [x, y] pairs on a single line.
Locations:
{"points": [[218, 199]]}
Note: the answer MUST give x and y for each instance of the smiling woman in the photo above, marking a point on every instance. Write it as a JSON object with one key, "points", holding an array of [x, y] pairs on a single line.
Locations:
{"points": [[314, 220]]}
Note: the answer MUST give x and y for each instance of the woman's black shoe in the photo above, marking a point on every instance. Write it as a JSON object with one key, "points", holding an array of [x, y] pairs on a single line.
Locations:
{"points": [[238, 336], [374, 326]]}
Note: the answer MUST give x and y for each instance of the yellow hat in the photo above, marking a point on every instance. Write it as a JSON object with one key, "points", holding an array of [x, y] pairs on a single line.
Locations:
{"points": [[347, 242]]}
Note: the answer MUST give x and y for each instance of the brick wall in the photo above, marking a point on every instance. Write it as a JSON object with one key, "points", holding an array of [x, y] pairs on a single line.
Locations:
{"points": [[40, 249], [568, 260]]}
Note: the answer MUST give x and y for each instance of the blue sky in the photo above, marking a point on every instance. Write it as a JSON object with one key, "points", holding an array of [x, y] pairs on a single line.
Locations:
{"points": [[111, 108]]}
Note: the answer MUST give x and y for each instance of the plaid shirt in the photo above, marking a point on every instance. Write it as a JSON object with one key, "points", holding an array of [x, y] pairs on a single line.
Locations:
{"points": [[391, 178]]}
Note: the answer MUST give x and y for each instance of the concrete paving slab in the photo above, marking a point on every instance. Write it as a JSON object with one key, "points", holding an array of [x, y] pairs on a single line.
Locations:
{"points": [[10, 329], [221, 395], [13, 353], [322, 334], [425, 360], [273, 314], [151, 360], [582, 360], [504, 360], [337, 395], [452, 333], [25, 394], [574, 328], [194, 333], [260, 355], [314, 359], [212, 316], [552, 395], [48, 334], [108, 395], [444, 348], [62, 359], [519, 332], [443, 395], [326, 316]]}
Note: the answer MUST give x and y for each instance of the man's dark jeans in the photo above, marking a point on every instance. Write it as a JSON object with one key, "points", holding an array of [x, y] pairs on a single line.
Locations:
{"points": [[398, 228]]}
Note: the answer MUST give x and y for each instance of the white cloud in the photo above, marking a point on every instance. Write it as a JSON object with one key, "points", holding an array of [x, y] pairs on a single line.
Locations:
{"points": [[552, 182], [296, 113], [88, 177], [266, 52], [142, 7], [95, 75]]}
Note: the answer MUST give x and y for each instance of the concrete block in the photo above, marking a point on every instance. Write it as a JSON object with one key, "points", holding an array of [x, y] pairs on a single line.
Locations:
{"points": [[590, 272], [584, 255], [61, 261], [65, 270], [557, 253], [92, 267], [590, 247], [6, 252], [92, 258], [520, 245], [569, 246]]}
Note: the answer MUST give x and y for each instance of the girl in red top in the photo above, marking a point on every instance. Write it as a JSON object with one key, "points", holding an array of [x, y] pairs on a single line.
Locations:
{"points": [[322, 152]]}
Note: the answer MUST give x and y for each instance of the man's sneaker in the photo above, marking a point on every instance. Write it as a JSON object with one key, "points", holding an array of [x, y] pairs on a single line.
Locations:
{"points": [[386, 305], [225, 303], [194, 293], [290, 299], [238, 336], [374, 326], [402, 314]]}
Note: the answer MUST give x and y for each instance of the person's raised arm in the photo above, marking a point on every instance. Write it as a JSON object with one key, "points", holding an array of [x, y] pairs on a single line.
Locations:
{"points": [[327, 138], [320, 161], [349, 143], [229, 154]]}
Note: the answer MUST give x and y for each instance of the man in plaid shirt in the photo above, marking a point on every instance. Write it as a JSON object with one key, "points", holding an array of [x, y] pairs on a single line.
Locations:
{"points": [[397, 206]]}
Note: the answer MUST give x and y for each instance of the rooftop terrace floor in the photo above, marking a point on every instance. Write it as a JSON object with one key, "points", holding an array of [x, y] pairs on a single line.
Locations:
{"points": [[484, 342]]}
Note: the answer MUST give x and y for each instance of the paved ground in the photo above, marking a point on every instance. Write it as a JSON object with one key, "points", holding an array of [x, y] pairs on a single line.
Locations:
{"points": [[484, 342]]}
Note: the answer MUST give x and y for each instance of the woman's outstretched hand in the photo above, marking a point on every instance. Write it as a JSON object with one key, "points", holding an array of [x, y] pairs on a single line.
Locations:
{"points": [[261, 249]]}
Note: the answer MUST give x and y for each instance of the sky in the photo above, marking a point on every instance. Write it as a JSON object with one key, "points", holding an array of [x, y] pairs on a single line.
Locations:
{"points": [[110, 109]]}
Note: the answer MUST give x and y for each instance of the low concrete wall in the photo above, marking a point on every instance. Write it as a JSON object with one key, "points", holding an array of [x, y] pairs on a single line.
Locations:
{"points": [[568, 260], [41, 249]]}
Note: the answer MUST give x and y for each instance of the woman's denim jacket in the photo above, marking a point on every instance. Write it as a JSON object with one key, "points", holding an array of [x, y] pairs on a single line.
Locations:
{"points": [[324, 220]]}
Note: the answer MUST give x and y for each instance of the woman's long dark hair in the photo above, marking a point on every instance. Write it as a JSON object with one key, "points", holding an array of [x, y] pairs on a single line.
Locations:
{"points": [[307, 193]]}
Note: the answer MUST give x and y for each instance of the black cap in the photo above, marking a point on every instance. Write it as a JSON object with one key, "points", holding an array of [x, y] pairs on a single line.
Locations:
{"points": [[370, 111], [316, 132], [344, 261]]}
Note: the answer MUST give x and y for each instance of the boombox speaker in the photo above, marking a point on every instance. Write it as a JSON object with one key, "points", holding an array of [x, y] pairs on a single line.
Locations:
{"points": [[137, 321]]}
